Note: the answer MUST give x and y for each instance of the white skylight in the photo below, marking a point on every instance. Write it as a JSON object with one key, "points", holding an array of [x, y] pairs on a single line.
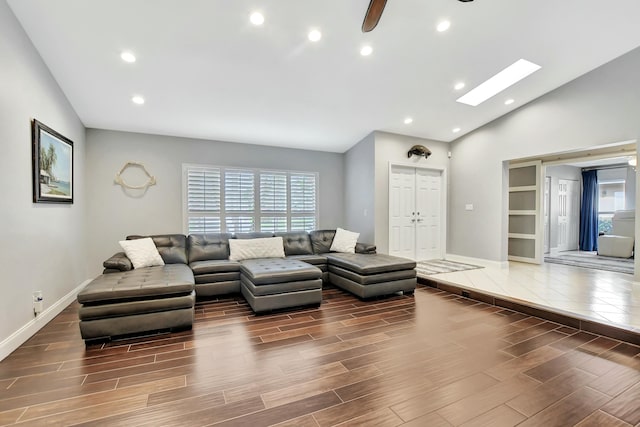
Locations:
{"points": [[496, 84]]}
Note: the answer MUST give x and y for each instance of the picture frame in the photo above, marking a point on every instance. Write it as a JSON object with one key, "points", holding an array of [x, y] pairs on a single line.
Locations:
{"points": [[52, 155]]}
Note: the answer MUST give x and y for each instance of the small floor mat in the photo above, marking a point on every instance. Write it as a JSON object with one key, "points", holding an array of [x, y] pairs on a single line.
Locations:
{"points": [[593, 260], [438, 266]]}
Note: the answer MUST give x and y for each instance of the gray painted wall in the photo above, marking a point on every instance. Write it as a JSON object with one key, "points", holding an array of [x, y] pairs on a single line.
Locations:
{"points": [[598, 108], [114, 213], [359, 173], [555, 173], [393, 148], [44, 243]]}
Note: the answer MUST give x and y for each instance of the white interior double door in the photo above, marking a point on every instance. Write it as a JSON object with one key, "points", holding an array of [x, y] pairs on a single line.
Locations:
{"points": [[415, 213]]}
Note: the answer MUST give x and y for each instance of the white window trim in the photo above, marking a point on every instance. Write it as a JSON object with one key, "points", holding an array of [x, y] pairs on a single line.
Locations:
{"points": [[256, 214]]}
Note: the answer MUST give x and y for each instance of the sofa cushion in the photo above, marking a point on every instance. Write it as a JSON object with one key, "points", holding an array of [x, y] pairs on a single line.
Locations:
{"points": [[281, 287], [172, 247], [369, 279], [268, 247], [142, 252], [370, 264], [166, 280], [321, 240], [214, 266], [208, 246], [344, 241], [128, 308], [296, 243], [275, 270]]}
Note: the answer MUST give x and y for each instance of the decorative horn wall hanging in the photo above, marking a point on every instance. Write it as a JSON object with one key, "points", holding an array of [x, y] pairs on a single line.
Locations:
{"points": [[120, 181], [420, 151]]}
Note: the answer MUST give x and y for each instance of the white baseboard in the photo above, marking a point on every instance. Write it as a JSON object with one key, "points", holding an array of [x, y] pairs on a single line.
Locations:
{"points": [[477, 261], [19, 337]]}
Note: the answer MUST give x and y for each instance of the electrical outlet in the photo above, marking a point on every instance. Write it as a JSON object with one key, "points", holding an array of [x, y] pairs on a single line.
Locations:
{"points": [[37, 302]]}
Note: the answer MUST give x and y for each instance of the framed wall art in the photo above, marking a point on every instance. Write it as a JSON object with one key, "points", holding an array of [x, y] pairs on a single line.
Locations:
{"points": [[52, 165]]}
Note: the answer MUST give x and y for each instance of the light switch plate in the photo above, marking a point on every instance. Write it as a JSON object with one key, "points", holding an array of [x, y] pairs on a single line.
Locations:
{"points": [[468, 207]]}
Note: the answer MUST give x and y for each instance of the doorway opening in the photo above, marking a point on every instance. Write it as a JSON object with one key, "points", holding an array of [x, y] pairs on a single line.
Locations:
{"points": [[552, 218]]}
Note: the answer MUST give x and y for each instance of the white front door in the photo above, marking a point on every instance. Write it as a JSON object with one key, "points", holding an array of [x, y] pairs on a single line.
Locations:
{"points": [[415, 213], [428, 214], [402, 211]]}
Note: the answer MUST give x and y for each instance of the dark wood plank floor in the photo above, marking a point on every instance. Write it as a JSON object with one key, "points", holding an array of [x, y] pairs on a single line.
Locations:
{"points": [[432, 359]]}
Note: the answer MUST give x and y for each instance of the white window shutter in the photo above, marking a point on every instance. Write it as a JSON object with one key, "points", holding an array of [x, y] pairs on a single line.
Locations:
{"points": [[239, 191]]}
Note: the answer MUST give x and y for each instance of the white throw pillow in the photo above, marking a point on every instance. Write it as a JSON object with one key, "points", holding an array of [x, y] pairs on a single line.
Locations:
{"points": [[344, 241], [142, 252], [266, 247]]}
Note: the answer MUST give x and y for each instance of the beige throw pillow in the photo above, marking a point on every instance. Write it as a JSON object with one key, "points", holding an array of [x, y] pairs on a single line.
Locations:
{"points": [[345, 241], [266, 247], [142, 252]]}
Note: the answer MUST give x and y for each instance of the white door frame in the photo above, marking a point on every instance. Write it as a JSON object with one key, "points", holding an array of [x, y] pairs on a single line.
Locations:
{"points": [[443, 199]]}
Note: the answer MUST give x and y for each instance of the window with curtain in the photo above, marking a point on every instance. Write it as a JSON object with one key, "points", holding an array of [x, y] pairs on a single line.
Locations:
{"points": [[227, 199]]}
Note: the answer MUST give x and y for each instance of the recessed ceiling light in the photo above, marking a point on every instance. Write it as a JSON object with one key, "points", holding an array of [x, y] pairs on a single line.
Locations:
{"points": [[256, 18], [509, 101], [459, 86], [455, 130], [443, 26], [366, 50], [128, 56], [314, 35], [496, 84], [137, 100], [408, 121]]}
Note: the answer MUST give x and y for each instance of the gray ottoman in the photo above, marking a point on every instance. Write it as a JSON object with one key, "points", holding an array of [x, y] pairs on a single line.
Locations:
{"points": [[370, 275], [274, 283]]}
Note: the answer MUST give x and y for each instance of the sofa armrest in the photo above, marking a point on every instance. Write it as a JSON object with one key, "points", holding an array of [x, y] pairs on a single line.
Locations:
{"points": [[365, 248], [118, 262]]}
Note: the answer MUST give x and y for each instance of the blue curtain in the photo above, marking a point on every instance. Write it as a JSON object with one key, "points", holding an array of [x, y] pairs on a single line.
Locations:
{"points": [[589, 211]]}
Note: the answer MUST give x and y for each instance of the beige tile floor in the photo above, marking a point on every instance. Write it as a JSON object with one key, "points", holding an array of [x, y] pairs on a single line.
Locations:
{"points": [[600, 295]]}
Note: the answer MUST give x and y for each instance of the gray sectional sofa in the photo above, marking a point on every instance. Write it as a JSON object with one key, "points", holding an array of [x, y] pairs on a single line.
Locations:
{"points": [[125, 301]]}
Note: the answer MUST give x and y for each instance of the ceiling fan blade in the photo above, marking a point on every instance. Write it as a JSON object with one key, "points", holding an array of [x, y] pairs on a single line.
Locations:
{"points": [[374, 12]]}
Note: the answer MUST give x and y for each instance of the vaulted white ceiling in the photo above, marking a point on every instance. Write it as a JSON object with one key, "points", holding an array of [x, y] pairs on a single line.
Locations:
{"points": [[207, 72]]}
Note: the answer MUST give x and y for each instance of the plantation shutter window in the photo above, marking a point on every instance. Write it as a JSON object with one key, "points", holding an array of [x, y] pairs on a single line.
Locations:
{"points": [[238, 200], [303, 201], [203, 200], [273, 201]]}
